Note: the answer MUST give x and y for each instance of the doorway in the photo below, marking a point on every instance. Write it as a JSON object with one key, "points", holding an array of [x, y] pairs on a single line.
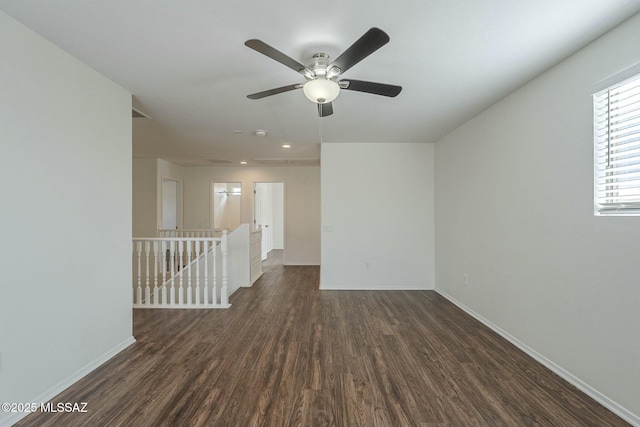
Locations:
{"points": [[171, 216], [226, 205], [269, 213]]}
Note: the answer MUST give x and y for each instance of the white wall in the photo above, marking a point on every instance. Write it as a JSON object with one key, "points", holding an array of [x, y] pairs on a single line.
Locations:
{"points": [[302, 199], [377, 208], [514, 211], [145, 202], [66, 146]]}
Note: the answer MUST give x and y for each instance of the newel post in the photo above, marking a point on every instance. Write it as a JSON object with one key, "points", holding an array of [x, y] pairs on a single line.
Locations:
{"points": [[224, 298]]}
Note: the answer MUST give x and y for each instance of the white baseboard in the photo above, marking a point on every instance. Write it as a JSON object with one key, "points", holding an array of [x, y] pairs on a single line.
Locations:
{"points": [[374, 288], [299, 264], [68, 382], [617, 409], [254, 279]]}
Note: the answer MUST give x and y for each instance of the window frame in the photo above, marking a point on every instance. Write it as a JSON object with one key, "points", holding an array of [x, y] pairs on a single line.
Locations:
{"points": [[601, 95]]}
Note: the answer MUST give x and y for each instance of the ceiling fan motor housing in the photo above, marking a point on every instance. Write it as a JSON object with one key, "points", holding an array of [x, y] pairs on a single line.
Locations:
{"points": [[318, 66]]}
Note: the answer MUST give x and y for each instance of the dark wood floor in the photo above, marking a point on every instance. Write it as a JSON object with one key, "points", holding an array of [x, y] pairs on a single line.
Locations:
{"points": [[288, 354]]}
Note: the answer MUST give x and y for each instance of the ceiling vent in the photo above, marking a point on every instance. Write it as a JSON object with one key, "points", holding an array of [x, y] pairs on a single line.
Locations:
{"points": [[219, 161], [288, 162]]}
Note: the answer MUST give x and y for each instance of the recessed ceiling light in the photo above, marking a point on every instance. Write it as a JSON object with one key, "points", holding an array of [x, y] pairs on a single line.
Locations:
{"points": [[286, 146], [243, 162], [261, 132]]}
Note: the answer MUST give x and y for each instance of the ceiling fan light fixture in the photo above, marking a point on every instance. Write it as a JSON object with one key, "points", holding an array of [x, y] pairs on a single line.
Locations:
{"points": [[321, 90]]}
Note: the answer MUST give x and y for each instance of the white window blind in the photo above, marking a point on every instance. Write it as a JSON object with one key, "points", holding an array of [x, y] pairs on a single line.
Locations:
{"points": [[617, 148]]}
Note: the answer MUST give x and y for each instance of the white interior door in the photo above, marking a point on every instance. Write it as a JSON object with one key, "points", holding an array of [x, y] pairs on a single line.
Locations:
{"points": [[169, 204], [269, 213]]}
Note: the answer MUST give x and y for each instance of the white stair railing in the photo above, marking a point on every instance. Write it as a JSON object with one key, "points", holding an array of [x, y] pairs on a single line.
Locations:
{"points": [[180, 272], [189, 232]]}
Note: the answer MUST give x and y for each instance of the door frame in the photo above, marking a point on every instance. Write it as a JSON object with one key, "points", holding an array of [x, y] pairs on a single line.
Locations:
{"points": [[212, 184], [284, 211]]}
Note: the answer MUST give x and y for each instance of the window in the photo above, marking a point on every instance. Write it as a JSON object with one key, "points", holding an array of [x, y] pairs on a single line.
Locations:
{"points": [[617, 148]]}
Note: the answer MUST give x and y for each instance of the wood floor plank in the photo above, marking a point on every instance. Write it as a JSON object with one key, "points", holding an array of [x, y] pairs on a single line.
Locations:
{"points": [[288, 354]]}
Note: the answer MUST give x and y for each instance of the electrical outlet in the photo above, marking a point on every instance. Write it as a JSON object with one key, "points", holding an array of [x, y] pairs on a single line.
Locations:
{"points": [[466, 279]]}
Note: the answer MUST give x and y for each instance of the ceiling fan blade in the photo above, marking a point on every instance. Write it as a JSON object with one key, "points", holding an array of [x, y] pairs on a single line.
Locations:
{"points": [[275, 91], [371, 87], [325, 110], [371, 41], [275, 54]]}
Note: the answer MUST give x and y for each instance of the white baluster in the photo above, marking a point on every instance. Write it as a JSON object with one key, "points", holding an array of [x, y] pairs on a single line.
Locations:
{"points": [[139, 289], [147, 289], [214, 252], [181, 267], [197, 273], [206, 272], [172, 257], [189, 289], [155, 272], [164, 260], [224, 299]]}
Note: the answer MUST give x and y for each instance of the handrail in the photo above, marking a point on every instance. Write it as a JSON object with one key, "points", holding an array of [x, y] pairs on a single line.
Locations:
{"points": [[176, 239], [189, 232]]}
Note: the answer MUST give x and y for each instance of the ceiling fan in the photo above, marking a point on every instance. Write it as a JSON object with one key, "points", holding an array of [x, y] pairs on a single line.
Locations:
{"points": [[323, 83]]}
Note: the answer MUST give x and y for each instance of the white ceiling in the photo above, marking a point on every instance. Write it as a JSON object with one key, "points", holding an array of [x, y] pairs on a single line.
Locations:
{"points": [[186, 64]]}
